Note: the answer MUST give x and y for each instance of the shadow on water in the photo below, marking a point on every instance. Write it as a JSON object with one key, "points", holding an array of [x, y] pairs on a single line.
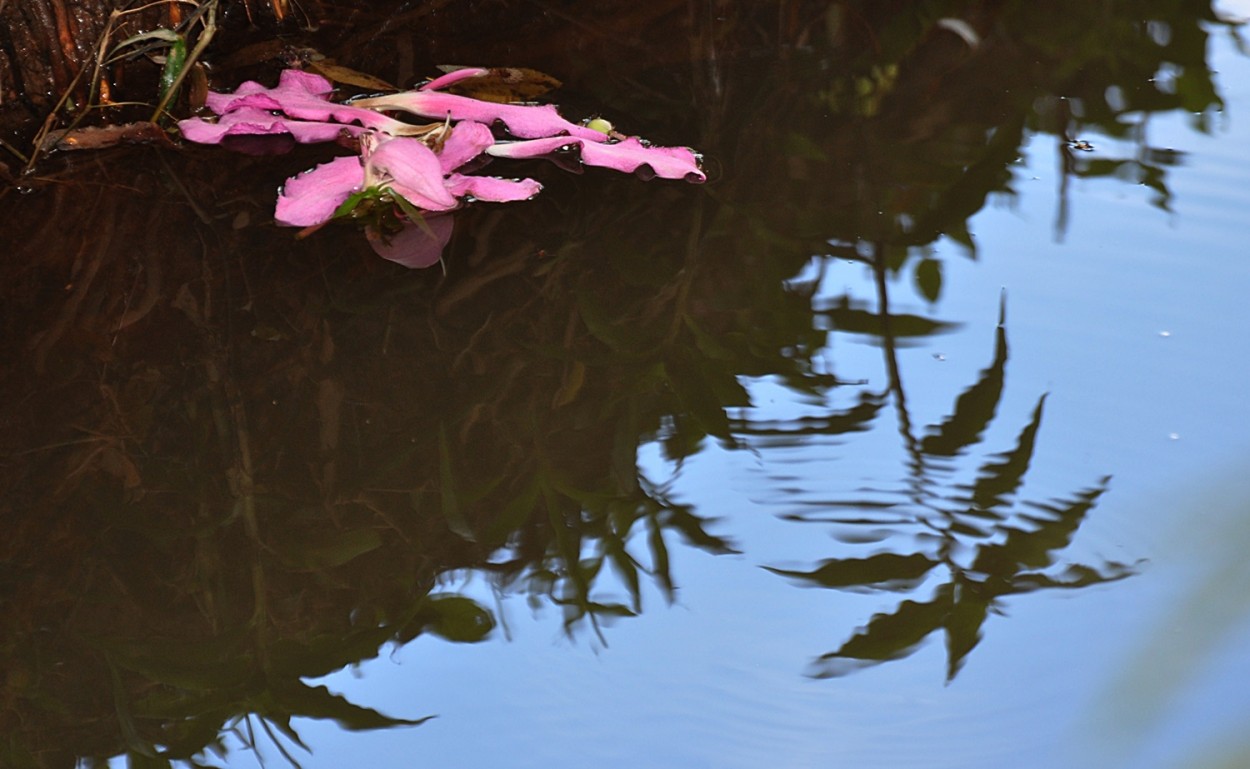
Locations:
{"points": [[231, 460]]}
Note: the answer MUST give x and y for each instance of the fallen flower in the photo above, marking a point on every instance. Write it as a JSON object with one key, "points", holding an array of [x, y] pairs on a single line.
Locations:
{"points": [[404, 167], [406, 174]]}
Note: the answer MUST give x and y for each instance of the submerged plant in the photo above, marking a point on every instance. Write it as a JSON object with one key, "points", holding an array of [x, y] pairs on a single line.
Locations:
{"points": [[405, 175]]}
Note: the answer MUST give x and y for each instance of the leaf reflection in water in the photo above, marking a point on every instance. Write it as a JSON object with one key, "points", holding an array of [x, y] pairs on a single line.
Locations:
{"points": [[988, 544]]}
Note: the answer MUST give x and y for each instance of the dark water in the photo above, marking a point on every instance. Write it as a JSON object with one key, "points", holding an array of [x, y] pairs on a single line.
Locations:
{"points": [[916, 437]]}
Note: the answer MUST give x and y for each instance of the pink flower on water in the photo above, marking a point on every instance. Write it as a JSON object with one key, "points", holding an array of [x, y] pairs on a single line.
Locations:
{"points": [[392, 162], [405, 167]]}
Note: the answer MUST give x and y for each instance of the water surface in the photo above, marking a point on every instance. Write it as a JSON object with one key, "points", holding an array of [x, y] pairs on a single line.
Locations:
{"points": [[913, 438]]}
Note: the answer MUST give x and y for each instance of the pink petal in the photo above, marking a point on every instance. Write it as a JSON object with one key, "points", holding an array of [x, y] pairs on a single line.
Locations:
{"points": [[414, 246], [455, 76], [307, 82], [309, 108], [300, 95], [221, 103], [249, 121], [414, 171], [492, 189], [467, 141], [313, 196], [292, 83], [527, 121], [627, 155]]}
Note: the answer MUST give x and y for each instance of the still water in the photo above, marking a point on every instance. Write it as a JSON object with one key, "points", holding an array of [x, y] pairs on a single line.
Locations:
{"points": [[1127, 320], [915, 438]]}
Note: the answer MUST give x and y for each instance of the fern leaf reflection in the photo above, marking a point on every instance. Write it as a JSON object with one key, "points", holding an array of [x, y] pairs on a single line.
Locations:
{"points": [[984, 547]]}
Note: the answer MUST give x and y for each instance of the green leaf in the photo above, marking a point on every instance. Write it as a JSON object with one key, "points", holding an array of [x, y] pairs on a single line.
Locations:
{"points": [[413, 214], [347, 206], [161, 35], [171, 73]]}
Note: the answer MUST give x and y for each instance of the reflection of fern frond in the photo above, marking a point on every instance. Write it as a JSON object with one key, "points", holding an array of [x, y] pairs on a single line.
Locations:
{"points": [[991, 545]]}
